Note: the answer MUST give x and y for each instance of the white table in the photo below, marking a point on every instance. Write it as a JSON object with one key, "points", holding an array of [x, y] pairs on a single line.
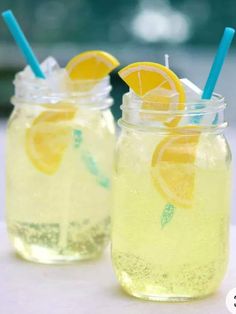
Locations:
{"points": [[86, 288]]}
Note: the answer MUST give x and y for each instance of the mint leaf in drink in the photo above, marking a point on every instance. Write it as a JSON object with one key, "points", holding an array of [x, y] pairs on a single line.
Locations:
{"points": [[167, 214], [78, 138]]}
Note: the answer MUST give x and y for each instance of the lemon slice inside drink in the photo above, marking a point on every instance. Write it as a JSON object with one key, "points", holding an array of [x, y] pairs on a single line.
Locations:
{"points": [[48, 137], [156, 85], [173, 169]]}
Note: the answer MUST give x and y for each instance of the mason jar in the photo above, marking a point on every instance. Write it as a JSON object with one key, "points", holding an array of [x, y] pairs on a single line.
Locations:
{"points": [[59, 164], [170, 221]]}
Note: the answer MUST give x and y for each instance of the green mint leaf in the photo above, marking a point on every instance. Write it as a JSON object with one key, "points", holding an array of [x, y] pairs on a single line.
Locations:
{"points": [[78, 138], [90, 163], [167, 214], [104, 182]]}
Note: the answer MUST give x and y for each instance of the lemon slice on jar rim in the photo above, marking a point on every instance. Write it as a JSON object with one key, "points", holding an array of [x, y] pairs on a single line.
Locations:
{"points": [[154, 84], [91, 65]]}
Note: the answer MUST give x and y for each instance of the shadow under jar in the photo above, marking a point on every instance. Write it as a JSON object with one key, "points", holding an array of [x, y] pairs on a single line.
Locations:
{"points": [[59, 164], [170, 221]]}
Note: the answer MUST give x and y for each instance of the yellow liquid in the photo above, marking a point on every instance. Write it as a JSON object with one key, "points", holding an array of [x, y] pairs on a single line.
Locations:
{"points": [[65, 216], [187, 257]]}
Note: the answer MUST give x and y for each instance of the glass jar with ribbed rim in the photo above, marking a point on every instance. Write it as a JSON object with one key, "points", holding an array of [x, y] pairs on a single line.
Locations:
{"points": [[59, 164], [172, 183]]}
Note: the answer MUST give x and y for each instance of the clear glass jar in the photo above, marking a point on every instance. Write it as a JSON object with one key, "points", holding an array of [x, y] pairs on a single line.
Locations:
{"points": [[170, 221], [59, 165]]}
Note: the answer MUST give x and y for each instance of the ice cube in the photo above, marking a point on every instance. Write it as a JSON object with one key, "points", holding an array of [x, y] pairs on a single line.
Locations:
{"points": [[27, 73], [162, 98], [49, 66], [162, 92], [192, 91], [56, 77], [193, 95], [155, 106], [57, 81]]}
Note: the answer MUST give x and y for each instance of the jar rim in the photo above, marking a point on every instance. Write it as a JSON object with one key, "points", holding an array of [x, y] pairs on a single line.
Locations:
{"points": [[200, 112], [93, 93], [216, 102]]}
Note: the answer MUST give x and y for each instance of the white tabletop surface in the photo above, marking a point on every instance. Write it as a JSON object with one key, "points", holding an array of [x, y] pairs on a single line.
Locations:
{"points": [[87, 288]]}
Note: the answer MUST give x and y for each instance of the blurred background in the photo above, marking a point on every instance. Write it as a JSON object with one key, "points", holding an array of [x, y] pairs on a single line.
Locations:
{"points": [[133, 30]]}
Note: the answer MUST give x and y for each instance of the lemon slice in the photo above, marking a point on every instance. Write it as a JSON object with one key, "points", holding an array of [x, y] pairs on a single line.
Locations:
{"points": [[158, 86], [48, 137], [91, 65], [173, 169]]}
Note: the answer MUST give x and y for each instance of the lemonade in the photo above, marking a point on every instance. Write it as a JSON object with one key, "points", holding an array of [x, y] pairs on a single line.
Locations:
{"points": [[171, 194], [186, 256], [60, 145]]}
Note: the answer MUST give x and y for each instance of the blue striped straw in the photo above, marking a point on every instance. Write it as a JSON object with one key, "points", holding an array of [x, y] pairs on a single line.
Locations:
{"points": [[23, 43]]}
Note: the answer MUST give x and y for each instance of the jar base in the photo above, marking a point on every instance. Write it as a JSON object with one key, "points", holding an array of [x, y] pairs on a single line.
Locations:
{"points": [[184, 282], [167, 298], [50, 244], [37, 254]]}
